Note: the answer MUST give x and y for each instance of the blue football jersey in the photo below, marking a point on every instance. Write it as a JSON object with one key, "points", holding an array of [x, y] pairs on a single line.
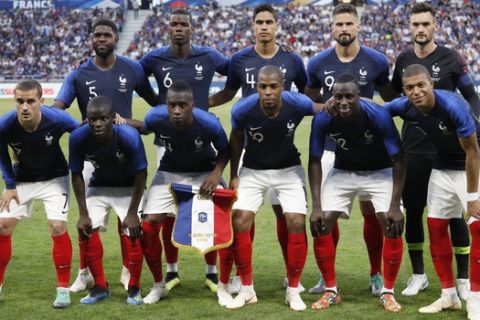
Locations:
{"points": [[118, 84], [116, 163], [198, 70], [270, 141], [369, 66], [367, 144], [245, 64], [37, 154], [450, 119], [190, 150]]}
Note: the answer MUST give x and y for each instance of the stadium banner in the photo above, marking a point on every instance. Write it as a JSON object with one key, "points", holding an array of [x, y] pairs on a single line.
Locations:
{"points": [[204, 224], [50, 89], [47, 4]]}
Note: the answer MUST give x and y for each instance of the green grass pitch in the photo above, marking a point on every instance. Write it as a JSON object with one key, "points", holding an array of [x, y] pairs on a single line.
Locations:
{"points": [[29, 285]]}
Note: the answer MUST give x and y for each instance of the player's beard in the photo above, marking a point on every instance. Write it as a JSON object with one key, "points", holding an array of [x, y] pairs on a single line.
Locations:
{"points": [[104, 53], [345, 41], [423, 42]]}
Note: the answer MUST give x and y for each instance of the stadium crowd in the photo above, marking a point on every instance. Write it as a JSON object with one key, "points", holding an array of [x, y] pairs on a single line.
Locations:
{"points": [[45, 44], [307, 29]]}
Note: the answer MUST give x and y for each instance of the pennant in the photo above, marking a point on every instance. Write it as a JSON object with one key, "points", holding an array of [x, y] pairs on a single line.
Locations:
{"points": [[202, 223]]}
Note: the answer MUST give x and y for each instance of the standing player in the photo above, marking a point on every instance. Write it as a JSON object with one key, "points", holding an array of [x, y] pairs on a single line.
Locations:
{"points": [[40, 172], [243, 72], [447, 120], [368, 160], [449, 72], [267, 121], [371, 70], [118, 181], [196, 152], [197, 65], [114, 77]]}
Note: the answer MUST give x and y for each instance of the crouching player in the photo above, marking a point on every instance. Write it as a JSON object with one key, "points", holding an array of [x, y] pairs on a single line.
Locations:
{"points": [[117, 183]]}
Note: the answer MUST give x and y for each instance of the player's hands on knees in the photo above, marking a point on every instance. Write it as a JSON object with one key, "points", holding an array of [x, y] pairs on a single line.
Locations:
{"points": [[317, 221], [209, 184], [8, 195], [473, 208], [132, 223], [84, 227], [395, 222], [234, 182]]}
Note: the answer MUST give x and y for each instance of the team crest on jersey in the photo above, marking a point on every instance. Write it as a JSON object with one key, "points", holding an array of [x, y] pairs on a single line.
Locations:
{"points": [[435, 72], [198, 71], [290, 128], [202, 217], [368, 137], [48, 139], [362, 80], [198, 144], [122, 83], [120, 156]]}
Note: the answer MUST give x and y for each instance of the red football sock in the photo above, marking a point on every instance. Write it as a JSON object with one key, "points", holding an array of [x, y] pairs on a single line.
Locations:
{"points": [[392, 258], [335, 235], [242, 254], [441, 250], [123, 242], [152, 248], [171, 252], [135, 261], [226, 264], [324, 250], [297, 255], [81, 252], [62, 258], [211, 258], [5, 254], [373, 236], [94, 256], [475, 256], [282, 236]]}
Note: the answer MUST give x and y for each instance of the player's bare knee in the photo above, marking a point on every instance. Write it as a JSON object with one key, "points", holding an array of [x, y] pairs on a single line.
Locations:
{"points": [[295, 222], [242, 220], [57, 228], [7, 226]]}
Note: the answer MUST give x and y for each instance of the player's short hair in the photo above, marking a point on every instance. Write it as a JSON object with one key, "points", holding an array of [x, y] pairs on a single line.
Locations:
{"points": [[29, 84], [422, 7], [414, 70], [100, 102], [107, 23], [345, 8], [181, 86], [265, 7], [346, 77], [182, 12], [271, 69]]}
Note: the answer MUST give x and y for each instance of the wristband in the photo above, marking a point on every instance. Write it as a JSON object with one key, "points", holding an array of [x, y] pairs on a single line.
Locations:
{"points": [[472, 196]]}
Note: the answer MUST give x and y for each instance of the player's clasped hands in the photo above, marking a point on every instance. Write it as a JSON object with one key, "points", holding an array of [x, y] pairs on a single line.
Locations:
{"points": [[7, 197]]}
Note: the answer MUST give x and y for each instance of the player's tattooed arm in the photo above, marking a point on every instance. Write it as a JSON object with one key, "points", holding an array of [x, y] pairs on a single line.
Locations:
{"points": [[7, 197], [84, 224], [317, 217], [470, 146], [395, 221]]}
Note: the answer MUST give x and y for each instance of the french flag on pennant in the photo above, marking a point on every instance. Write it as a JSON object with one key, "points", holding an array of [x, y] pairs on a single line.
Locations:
{"points": [[202, 223]]}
